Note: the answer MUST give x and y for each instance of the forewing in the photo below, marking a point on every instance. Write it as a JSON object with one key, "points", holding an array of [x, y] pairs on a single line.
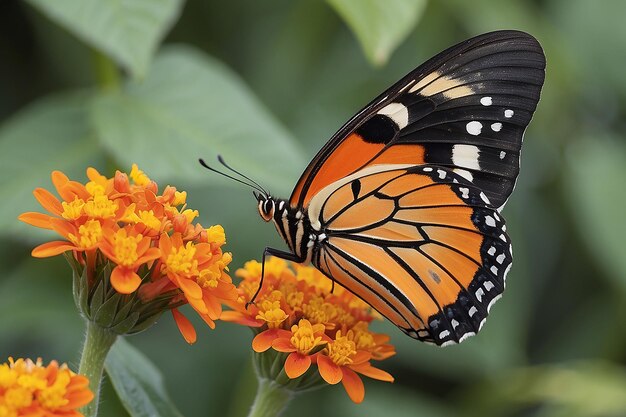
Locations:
{"points": [[421, 244], [466, 108]]}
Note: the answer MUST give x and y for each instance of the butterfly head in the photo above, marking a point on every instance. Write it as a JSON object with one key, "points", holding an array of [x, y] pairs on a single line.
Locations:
{"points": [[266, 206]]}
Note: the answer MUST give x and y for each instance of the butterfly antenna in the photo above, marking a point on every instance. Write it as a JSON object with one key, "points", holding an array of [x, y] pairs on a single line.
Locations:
{"points": [[251, 184], [219, 158]]}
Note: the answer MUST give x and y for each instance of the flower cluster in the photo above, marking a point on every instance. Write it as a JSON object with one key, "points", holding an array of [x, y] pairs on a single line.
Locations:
{"points": [[28, 388], [135, 252], [298, 313]]}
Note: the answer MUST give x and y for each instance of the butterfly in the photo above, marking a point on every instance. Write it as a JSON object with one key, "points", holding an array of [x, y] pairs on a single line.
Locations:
{"points": [[402, 205]]}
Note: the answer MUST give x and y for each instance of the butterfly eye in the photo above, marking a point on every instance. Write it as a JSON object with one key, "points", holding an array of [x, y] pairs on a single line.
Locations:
{"points": [[266, 208]]}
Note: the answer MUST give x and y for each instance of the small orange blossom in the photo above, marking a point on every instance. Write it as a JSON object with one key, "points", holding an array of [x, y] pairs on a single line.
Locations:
{"points": [[30, 389]]}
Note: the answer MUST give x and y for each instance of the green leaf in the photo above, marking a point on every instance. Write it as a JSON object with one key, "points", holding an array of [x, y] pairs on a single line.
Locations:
{"points": [[381, 398], [128, 31], [50, 134], [192, 106], [595, 189], [138, 383], [380, 26], [575, 389]]}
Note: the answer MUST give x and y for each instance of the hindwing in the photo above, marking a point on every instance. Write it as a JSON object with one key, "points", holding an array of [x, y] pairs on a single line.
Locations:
{"points": [[420, 244]]}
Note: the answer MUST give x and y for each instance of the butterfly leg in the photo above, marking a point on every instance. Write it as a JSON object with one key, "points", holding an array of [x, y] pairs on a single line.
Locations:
{"points": [[288, 256]]}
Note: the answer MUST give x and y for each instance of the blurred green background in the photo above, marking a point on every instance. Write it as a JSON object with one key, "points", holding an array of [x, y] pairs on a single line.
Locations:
{"points": [[162, 82]]}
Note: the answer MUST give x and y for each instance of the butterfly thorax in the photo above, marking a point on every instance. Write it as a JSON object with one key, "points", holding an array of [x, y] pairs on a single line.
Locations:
{"points": [[293, 225]]}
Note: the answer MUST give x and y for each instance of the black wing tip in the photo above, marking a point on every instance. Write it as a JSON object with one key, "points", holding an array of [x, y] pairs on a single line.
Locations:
{"points": [[505, 35]]}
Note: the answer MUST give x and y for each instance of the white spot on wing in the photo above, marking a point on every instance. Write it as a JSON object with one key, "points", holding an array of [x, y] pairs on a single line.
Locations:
{"points": [[444, 334], [442, 173], [489, 285], [396, 112], [486, 101], [465, 156], [500, 258], [492, 250], [490, 221], [496, 127], [464, 192], [479, 294], [464, 173], [502, 154], [494, 270], [508, 113], [455, 323], [472, 311], [474, 127]]}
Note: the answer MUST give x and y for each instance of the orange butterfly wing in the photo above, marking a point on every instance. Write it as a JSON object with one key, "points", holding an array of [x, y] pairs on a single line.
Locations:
{"points": [[420, 244]]}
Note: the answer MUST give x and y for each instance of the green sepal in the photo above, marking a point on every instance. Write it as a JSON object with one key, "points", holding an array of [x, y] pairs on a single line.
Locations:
{"points": [[122, 313], [105, 315], [145, 323], [125, 326], [271, 365], [96, 300]]}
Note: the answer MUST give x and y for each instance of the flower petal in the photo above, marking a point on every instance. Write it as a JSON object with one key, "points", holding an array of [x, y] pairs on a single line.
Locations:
{"points": [[36, 219], [150, 255], [263, 341], [189, 287], [361, 356], [239, 318], [213, 305], [353, 385], [297, 364], [368, 370], [208, 320], [197, 304], [329, 370], [48, 201], [185, 326], [125, 280], [283, 344], [54, 248]]}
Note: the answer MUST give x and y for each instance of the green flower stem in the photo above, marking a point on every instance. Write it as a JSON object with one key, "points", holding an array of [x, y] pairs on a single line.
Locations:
{"points": [[271, 399], [98, 342]]}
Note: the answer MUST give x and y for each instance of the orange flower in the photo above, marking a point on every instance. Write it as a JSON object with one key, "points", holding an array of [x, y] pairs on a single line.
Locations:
{"points": [[129, 250], [123, 234], [28, 388], [296, 313], [299, 343], [197, 269], [340, 362]]}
